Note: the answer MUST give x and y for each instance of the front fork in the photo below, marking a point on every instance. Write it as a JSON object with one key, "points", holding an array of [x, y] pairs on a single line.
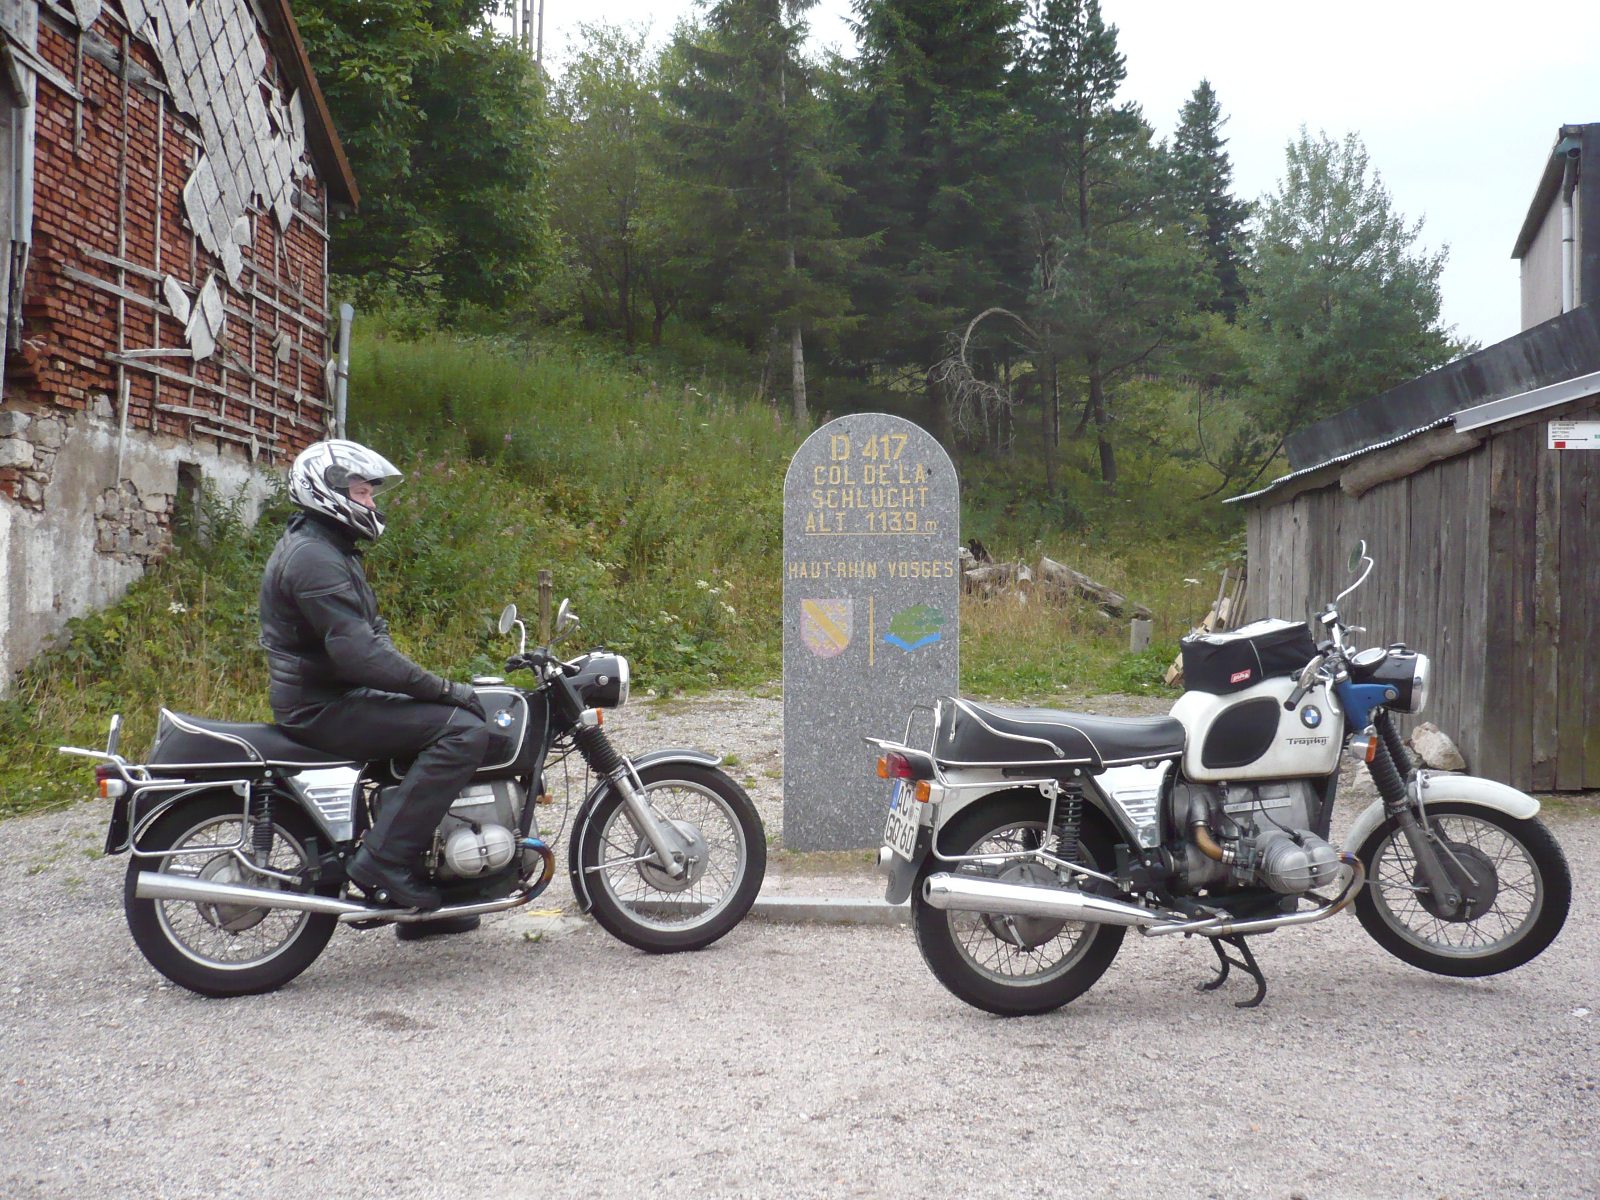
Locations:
{"points": [[670, 847], [1391, 768]]}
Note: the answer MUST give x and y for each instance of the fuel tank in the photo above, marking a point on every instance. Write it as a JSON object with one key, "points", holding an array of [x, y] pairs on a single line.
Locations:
{"points": [[1250, 735]]}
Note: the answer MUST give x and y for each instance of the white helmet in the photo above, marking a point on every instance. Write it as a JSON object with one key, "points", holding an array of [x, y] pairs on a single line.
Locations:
{"points": [[320, 478]]}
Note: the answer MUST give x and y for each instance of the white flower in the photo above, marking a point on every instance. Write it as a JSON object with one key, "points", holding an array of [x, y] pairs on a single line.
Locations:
{"points": [[716, 591], [712, 676], [1191, 581], [701, 584], [728, 608], [177, 606]]}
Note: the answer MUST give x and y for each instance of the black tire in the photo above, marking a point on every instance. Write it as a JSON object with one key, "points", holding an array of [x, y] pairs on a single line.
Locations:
{"points": [[633, 901], [1531, 886], [951, 942], [192, 944]]}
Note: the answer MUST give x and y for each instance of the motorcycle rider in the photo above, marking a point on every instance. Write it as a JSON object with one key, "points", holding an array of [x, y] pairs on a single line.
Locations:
{"points": [[339, 684]]}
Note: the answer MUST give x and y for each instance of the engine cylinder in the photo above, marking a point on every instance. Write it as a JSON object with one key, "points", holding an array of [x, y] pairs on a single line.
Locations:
{"points": [[469, 852]]}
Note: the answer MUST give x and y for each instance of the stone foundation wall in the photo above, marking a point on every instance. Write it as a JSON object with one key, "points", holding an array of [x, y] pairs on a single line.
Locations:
{"points": [[72, 538]]}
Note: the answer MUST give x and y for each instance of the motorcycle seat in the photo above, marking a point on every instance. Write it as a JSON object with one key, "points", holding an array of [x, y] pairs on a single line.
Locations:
{"points": [[988, 735], [183, 739]]}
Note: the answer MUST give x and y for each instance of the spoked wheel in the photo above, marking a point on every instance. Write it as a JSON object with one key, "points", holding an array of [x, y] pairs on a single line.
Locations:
{"points": [[222, 949], [1013, 965], [635, 899], [1511, 873]]}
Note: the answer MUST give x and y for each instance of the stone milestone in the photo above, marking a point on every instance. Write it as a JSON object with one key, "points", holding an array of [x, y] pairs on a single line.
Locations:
{"points": [[871, 616]]}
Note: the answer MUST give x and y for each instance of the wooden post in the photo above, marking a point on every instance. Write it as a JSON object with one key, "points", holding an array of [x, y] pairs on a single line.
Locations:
{"points": [[546, 589], [1139, 634]]}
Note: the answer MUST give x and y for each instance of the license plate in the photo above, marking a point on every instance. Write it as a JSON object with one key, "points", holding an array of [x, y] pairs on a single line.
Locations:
{"points": [[900, 832]]}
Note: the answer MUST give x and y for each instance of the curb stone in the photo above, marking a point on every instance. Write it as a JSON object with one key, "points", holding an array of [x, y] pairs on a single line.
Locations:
{"points": [[829, 910]]}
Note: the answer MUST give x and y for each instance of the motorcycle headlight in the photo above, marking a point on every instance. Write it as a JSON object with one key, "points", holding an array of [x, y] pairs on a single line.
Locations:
{"points": [[602, 680], [1421, 673]]}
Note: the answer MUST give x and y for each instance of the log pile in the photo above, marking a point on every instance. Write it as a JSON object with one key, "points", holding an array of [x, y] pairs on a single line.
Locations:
{"points": [[1050, 581]]}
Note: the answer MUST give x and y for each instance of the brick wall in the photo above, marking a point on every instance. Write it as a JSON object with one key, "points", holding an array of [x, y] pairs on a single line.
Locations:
{"points": [[109, 174]]}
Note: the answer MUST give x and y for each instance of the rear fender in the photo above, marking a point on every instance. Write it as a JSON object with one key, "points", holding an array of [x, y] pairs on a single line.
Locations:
{"points": [[580, 823], [146, 818], [1437, 789]]}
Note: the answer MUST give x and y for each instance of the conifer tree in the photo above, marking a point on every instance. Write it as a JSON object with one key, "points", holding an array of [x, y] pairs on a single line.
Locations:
{"points": [[1202, 181], [929, 114], [750, 137]]}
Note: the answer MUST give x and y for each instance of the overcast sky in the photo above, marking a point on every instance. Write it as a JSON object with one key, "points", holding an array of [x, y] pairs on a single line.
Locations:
{"points": [[1458, 102]]}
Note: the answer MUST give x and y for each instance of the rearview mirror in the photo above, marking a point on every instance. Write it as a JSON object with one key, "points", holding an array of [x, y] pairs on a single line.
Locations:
{"points": [[508, 619], [1358, 555]]}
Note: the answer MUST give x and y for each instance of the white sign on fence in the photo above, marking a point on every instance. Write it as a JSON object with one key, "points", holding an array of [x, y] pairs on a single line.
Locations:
{"points": [[1575, 435]]}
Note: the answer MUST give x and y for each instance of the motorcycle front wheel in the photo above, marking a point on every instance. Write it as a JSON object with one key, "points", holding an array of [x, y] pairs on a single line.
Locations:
{"points": [[1511, 871], [636, 901], [222, 949], [1013, 966]]}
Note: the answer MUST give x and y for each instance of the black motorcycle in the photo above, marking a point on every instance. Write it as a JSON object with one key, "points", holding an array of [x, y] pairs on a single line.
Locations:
{"points": [[239, 835]]}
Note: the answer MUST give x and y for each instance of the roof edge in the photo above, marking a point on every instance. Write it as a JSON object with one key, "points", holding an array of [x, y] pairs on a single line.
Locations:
{"points": [[1549, 184], [321, 134]]}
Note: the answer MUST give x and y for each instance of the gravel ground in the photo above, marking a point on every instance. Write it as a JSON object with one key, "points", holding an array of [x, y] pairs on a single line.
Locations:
{"points": [[539, 1057]]}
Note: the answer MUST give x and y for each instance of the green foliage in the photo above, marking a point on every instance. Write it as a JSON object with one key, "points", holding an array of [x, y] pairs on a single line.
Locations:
{"points": [[614, 203], [747, 129], [1343, 305], [1202, 178], [443, 122]]}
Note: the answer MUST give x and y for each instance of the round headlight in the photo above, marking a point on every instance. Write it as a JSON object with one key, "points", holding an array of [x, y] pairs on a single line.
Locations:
{"points": [[622, 680], [1422, 671]]}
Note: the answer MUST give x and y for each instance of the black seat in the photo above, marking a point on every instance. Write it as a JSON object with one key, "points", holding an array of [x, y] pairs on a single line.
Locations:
{"points": [[185, 739], [972, 734]]}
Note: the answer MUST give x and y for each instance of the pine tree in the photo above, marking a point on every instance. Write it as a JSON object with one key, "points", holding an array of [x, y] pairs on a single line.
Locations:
{"points": [[929, 112], [1115, 277], [750, 135], [1202, 183]]}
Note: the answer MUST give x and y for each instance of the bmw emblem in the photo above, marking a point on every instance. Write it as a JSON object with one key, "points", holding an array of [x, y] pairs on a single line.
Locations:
{"points": [[503, 718], [1311, 716]]}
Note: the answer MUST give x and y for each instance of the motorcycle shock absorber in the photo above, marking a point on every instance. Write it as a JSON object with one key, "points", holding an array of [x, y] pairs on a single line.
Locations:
{"points": [[261, 827], [1391, 783], [1069, 823]]}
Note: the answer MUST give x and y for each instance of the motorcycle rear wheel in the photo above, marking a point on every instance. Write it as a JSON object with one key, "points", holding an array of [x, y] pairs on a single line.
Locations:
{"points": [[1013, 967], [222, 950], [1521, 876], [634, 901]]}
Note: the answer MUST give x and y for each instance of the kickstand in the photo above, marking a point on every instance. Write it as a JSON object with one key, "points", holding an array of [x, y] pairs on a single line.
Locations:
{"points": [[1249, 966]]}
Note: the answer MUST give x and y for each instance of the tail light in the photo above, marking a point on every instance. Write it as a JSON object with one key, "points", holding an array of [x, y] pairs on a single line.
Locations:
{"points": [[109, 784], [895, 766]]}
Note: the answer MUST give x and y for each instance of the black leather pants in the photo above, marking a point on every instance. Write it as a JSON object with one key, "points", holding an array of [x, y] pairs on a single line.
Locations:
{"points": [[447, 744]]}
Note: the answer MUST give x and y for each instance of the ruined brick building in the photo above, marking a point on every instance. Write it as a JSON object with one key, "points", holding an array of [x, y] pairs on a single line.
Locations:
{"points": [[168, 172]]}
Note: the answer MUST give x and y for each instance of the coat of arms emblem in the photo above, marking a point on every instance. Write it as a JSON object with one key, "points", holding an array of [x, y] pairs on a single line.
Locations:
{"points": [[825, 626]]}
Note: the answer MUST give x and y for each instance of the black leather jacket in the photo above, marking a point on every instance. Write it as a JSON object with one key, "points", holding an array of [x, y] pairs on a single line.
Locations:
{"points": [[320, 624]]}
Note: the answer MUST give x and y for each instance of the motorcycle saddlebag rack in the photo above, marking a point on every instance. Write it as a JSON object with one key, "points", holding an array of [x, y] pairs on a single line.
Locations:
{"points": [[1220, 663]]}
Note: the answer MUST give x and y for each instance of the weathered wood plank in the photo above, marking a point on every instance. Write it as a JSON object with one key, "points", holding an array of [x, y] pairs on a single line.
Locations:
{"points": [[1545, 648], [1499, 646], [1472, 648], [1520, 711]]}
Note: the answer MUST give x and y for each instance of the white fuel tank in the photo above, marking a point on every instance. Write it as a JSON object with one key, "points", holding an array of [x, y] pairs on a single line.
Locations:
{"points": [[1250, 735]]}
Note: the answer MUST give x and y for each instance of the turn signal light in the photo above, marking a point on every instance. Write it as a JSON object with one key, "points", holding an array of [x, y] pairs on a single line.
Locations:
{"points": [[1364, 746], [895, 766], [923, 790], [108, 784]]}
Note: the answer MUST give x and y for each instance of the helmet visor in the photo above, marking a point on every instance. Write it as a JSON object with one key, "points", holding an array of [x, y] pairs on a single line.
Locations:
{"points": [[353, 461]]}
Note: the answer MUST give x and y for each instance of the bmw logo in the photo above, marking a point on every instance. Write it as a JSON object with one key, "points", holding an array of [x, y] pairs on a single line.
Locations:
{"points": [[503, 718], [1311, 716]]}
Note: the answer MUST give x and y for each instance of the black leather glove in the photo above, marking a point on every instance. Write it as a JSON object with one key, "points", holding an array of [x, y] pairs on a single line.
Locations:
{"points": [[462, 696]]}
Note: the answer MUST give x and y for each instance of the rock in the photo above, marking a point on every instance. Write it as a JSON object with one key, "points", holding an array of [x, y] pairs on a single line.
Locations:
{"points": [[13, 422], [49, 433], [14, 452], [1435, 749]]}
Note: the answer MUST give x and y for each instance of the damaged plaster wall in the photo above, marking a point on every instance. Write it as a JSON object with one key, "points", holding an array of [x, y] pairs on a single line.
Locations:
{"points": [[79, 545]]}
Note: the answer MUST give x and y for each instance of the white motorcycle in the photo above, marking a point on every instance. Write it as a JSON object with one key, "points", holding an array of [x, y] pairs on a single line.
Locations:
{"points": [[1031, 840]]}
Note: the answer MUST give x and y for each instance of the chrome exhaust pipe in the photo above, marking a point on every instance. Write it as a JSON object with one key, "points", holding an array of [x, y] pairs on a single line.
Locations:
{"points": [[157, 885], [966, 893]]}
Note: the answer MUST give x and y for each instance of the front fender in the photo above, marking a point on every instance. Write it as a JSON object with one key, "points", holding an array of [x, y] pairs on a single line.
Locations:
{"points": [[580, 823], [1438, 788]]}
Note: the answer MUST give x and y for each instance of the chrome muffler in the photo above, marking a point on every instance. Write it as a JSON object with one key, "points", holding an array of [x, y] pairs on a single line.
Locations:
{"points": [[969, 893], [157, 885]]}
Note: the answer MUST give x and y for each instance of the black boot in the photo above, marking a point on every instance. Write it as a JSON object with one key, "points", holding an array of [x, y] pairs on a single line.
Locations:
{"points": [[411, 931], [389, 884]]}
